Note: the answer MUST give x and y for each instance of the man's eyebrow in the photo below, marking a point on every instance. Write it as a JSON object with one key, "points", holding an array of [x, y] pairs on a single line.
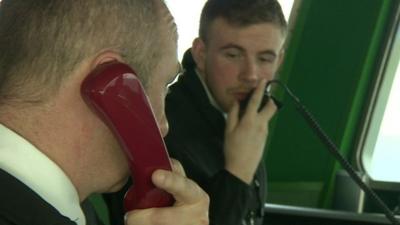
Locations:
{"points": [[268, 52], [230, 45], [240, 48]]}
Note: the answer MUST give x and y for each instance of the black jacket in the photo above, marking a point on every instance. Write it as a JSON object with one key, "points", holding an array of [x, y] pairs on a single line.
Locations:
{"points": [[19, 205], [195, 138]]}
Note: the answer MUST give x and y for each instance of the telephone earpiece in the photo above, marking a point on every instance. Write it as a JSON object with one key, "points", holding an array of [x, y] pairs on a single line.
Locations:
{"points": [[115, 93]]}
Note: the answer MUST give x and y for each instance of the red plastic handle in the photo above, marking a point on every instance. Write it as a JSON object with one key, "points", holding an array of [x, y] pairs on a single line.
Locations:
{"points": [[117, 96]]}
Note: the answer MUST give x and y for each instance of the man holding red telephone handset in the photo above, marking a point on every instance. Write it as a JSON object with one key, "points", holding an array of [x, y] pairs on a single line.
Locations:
{"points": [[54, 149]]}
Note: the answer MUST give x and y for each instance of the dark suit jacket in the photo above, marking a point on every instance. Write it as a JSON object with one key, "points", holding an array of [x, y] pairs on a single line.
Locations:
{"points": [[19, 205], [195, 138]]}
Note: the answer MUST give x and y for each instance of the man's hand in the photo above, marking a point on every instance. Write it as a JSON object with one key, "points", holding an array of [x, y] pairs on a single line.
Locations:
{"points": [[245, 138], [190, 208]]}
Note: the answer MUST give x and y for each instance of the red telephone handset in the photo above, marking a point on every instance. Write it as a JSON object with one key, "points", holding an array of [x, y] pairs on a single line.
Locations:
{"points": [[117, 96]]}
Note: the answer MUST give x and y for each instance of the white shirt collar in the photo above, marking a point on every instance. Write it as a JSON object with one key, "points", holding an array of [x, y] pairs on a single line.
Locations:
{"points": [[210, 97], [25, 162]]}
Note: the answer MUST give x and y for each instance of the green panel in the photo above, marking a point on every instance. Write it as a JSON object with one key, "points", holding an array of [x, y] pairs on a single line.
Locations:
{"points": [[360, 101], [294, 193], [100, 207], [329, 64]]}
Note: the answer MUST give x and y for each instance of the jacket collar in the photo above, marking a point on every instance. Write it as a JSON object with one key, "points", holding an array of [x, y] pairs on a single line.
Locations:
{"points": [[193, 85]]}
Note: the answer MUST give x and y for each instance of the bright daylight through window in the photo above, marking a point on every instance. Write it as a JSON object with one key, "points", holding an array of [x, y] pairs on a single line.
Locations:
{"points": [[385, 160], [382, 146]]}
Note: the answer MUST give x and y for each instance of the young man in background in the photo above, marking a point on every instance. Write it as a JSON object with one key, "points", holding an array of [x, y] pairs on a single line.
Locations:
{"points": [[239, 48]]}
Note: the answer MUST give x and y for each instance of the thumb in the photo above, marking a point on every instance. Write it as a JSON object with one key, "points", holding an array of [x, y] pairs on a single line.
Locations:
{"points": [[184, 190]]}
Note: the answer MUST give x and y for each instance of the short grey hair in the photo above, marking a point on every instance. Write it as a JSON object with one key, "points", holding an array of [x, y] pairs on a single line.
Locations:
{"points": [[43, 41]]}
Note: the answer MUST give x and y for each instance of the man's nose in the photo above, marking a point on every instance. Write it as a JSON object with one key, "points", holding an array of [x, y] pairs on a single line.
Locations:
{"points": [[249, 73]]}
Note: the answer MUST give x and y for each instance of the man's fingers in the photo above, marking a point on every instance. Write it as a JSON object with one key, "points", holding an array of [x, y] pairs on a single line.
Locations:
{"points": [[268, 111], [152, 216], [184, 190], [232, 118], [177, 167], [168, 216], [191, 206], [255, 100], [138, 217]]}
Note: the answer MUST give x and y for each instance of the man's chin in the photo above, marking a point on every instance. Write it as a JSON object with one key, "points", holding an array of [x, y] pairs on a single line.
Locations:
{"points": [[118, 185]]}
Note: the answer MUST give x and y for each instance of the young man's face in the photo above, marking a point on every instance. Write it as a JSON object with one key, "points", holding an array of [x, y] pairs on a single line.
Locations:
{"points": [[235, 59]]}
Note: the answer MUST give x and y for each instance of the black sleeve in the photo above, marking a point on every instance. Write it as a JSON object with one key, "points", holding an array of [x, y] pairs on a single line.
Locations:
{"points": [[5, 221], [229, 198]]}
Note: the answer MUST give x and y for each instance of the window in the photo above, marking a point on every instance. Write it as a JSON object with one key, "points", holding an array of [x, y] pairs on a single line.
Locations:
{"points": [[187, 17], [381, 150], [386, 156]]}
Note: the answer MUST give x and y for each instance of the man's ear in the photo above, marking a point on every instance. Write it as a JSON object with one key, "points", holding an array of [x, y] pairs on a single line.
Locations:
{"points": [[281, 57], [104, 57], [91, 63], [199, 53]]}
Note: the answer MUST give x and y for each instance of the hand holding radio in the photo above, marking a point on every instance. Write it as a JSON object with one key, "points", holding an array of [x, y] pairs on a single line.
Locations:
{"points": [[245, 135]]}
